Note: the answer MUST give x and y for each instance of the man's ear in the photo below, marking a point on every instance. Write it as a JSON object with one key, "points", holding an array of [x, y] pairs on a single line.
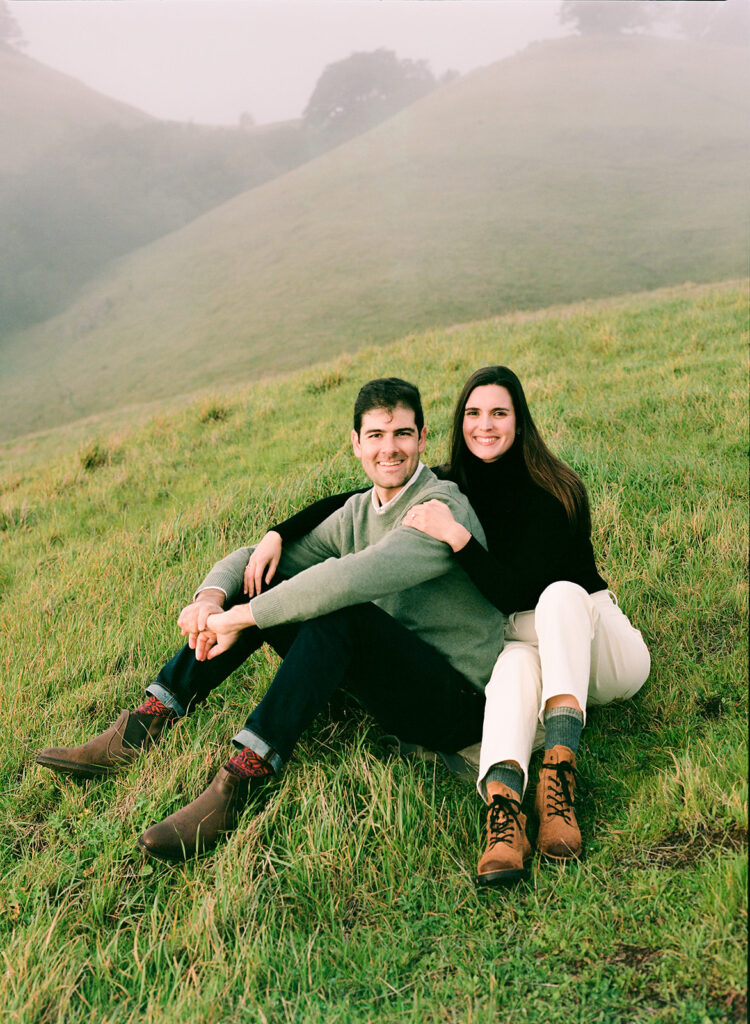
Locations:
{"points": [[356, 445], [423, 439]]}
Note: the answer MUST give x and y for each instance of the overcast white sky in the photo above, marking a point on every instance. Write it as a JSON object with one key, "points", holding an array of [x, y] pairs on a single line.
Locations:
{"points": [[210, 60]]}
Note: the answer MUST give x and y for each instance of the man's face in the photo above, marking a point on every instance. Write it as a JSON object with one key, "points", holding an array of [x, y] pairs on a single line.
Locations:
{"points": [[389, 446]]}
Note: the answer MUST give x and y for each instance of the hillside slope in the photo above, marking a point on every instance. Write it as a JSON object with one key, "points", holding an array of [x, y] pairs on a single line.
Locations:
{"points": [[350, 897], [577, 169], [84, 179]]}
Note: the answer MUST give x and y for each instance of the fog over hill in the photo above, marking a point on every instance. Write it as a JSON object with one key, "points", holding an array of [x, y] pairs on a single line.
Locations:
{"points": [[579, 168], [84, 179]]}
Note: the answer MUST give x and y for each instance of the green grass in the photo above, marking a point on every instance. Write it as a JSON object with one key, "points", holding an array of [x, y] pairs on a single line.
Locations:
{"points": [[350, 898], [577, 169]]}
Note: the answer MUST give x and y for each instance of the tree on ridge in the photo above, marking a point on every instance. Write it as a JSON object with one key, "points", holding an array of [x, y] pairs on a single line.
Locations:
{"points": [[606, 17], [10, 32], [355, 94]]}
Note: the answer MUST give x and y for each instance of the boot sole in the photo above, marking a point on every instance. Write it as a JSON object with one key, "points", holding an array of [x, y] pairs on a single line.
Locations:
{"points": [[496, 878], [561, 858], [168, 858], [86, 771]]}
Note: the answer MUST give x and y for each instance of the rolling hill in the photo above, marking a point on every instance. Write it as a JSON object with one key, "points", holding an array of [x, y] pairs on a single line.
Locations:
{"points": [[84, 179], [579, 168]]}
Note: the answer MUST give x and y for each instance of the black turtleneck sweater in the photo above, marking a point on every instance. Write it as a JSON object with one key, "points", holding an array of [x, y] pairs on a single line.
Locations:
{"points": [[529, 538]]}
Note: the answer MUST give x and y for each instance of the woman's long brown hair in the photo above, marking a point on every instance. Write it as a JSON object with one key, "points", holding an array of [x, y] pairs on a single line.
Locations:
{"points": [[544, 469]]}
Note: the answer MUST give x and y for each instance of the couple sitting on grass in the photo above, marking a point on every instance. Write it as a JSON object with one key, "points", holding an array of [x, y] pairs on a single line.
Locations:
{"points": [[456, 605]]}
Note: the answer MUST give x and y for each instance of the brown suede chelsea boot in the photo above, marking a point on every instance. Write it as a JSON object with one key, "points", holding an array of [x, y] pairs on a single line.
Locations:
{"points": [[508, 849], [197, 827], [559, 836], [116, 747]]}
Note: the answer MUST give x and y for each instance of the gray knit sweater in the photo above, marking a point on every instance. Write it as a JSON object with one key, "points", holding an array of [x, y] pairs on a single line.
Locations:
{"points": [[361, 553]]}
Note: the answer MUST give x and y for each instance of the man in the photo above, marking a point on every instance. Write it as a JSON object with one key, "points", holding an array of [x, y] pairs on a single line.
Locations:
{"points": [[366, 604]]}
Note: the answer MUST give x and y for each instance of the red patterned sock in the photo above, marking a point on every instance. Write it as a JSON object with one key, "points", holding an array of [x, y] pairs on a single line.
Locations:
{"points": [[153, 706], [248, 765]]}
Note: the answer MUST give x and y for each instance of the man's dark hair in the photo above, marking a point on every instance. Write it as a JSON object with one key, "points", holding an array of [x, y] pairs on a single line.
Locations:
{"points": [[386, 393]]}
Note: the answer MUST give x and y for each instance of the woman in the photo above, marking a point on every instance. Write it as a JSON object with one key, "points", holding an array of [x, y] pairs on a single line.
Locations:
{"points": [[567, 644]]}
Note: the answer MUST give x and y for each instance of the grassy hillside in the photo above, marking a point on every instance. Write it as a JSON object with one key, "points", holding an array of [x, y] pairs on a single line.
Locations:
{"points": [[577, 169], [40, 107], [350, 898], [84, 179]]}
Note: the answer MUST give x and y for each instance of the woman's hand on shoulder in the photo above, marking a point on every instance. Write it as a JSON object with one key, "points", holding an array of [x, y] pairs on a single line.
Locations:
{"points": [[264, 560], [436, 520]]}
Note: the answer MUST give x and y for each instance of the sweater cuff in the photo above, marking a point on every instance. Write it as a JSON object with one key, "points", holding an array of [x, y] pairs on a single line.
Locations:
{"points": [[210, 586], [220, 579], [266, 609]]}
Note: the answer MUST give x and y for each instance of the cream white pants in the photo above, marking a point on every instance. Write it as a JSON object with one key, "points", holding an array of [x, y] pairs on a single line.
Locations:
{"points": [[572, 643]]}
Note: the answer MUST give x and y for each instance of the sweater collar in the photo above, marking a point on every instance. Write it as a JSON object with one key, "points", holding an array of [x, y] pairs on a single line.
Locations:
{"points": [[509, 468]]}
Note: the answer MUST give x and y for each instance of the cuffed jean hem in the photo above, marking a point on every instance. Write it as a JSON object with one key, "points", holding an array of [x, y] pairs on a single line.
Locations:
{"points": [[248, 738], [158, 691]]}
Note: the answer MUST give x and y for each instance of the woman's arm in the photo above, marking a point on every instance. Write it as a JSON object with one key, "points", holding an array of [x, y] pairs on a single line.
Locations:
{"points": [[307, 519], [517, 568], [511, 581], [264, 561], [538, 548]]}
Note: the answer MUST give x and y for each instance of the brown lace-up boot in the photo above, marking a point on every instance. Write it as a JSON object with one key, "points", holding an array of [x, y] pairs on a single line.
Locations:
{"points": [[559, 836], [508, 849], [116, 747]]}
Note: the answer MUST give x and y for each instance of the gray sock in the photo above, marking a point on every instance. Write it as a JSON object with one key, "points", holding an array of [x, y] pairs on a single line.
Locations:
{"points": [[509, 774], [563, 727]]}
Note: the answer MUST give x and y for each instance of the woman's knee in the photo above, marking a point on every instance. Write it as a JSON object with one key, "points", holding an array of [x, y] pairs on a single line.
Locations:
{"points": [[561, 592], [564, 605]]}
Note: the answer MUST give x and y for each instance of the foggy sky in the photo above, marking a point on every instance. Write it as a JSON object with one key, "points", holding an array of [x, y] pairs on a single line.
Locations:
{"points": [[209, 60]]}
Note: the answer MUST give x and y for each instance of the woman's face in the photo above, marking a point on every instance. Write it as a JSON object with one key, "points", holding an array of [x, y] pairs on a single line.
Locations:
{"points": [[489, 422]]}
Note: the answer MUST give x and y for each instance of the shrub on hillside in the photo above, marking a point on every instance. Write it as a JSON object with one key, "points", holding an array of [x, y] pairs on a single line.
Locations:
{"points": [[326, 382], [213, 411], [93, 455]]}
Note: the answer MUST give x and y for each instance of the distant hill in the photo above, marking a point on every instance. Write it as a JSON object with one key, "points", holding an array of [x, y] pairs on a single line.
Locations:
{"points": [[40, 107], [579, 168], [84, 179]]}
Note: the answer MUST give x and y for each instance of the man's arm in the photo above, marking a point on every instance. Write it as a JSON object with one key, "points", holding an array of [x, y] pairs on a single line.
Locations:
{"points": [[322, 582], [266, 556], [402, 559], [228, 575]]}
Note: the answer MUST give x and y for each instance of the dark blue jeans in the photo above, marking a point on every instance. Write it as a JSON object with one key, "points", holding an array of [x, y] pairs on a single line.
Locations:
{"points": [[408, 686], [184, 681]]}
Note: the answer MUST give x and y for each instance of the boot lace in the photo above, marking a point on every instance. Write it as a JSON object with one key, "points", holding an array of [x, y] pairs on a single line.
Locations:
{"points": [[502, 819], [559, 793]]}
